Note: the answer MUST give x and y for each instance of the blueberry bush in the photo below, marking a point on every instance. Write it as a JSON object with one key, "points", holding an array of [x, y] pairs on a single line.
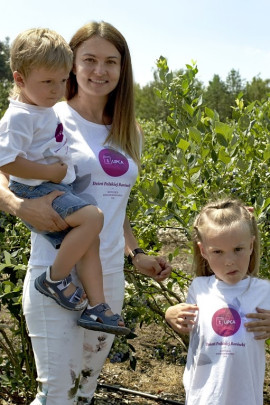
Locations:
{"points": [[188, 157]]}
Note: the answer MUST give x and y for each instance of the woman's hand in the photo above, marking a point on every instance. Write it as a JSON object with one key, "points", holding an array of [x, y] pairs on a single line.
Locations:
{"points": [[39, 213], [181, 317], [153, 266], [261, 325]]}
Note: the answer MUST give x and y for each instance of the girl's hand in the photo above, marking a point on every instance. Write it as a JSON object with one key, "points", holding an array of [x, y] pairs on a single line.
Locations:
{"points": [[153, 266], [260, 325], [181, 317]]}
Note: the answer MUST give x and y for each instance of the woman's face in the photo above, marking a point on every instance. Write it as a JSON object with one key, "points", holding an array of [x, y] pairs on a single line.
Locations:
{"points": [[97, 67]]}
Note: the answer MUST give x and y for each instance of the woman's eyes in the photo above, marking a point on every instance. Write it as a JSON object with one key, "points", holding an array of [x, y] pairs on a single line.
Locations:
{"points": [[108, 62]]}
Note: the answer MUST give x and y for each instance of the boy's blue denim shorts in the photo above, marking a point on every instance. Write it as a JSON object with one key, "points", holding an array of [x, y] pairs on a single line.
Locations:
{"points": [[65, 204]]}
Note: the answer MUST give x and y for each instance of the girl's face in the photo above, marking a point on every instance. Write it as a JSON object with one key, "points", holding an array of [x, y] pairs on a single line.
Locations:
{"points": [[97, 67], [227, 251]]}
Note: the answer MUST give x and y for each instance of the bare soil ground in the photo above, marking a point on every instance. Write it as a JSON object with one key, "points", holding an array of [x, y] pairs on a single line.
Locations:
{"points": [[157, 377]]}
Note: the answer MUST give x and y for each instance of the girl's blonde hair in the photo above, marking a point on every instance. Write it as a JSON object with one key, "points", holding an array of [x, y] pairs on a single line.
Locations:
{"points": [[124, 131], [224, 213], [36, 48]]}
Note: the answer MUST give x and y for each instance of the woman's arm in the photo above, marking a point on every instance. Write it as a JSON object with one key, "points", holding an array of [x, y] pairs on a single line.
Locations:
{"points": [[152, 266], [38, 212]]}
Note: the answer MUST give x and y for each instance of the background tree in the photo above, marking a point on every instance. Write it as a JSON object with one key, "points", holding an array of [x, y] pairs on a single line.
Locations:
{"points": [[257, 89], [5, 75], [216, 97]]}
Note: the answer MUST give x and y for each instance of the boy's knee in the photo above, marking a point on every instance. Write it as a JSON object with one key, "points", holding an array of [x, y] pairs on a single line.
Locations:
{"points": [[96, 216]]}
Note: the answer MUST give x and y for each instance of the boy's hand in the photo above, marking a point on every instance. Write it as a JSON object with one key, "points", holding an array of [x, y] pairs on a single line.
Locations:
{"points": [[57, 171]]}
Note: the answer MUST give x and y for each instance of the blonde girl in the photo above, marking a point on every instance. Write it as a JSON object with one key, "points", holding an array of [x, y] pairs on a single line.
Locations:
{"points": [[225, 364]]}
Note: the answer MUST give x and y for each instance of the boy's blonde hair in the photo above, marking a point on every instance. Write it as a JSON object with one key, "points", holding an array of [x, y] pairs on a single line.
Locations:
{"points": [[36, 48], [224, 213]]}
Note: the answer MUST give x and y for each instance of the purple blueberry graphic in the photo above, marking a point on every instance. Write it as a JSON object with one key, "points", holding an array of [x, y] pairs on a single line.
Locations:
{"points": [[59, 133]]}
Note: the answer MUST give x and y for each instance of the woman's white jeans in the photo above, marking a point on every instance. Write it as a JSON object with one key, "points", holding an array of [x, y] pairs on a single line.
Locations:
{"points": [[68, 358]]}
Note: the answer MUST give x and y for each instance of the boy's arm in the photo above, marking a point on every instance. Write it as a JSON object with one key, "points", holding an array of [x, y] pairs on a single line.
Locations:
{"points": [[27, 169]]}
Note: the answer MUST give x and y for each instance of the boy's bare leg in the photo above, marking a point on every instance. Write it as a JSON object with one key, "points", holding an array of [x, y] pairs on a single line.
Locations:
{"points": [[86, 226]]}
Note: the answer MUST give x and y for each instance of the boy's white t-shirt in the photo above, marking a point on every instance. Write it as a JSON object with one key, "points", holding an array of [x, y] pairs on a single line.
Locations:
{"points": [[107, 174], [225, 364], [35, 133]]}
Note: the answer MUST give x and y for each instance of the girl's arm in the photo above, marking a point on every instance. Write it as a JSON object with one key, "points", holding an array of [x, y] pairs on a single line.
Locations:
{"points": [[27, 169], [38, 212], [260, 325], [152, 266], [181, 317]]}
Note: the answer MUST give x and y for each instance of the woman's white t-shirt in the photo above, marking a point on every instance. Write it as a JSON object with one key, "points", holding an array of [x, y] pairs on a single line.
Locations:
{"points": [[102, 171]]}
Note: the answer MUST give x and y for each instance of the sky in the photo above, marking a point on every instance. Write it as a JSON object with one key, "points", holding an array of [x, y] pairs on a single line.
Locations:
{"points": [[219, 35]]}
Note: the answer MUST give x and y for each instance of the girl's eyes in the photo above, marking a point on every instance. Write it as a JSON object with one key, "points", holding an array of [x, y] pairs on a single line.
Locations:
{"points": [[237, 249]]}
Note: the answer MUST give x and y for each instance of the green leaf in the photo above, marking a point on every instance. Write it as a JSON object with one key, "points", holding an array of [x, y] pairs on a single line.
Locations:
{"points": [[250, 107], [223, 156], [243, 122], [222, 140], [188, 108], [183, 145], [266, 153], [7, 257], [210, 113], [133, 362], [195, 134], [223, 129]]}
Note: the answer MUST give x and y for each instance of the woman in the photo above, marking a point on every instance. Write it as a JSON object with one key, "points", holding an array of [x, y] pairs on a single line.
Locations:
{"points": [[105, 143]]}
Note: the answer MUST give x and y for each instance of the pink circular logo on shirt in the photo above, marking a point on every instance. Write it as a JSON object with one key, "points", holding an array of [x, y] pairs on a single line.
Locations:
{"points": [[113, 163], [226, 321]]}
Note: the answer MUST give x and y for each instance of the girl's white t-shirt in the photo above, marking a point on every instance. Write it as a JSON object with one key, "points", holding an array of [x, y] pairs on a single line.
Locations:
{"points": [[103, 171], [225, 364]]}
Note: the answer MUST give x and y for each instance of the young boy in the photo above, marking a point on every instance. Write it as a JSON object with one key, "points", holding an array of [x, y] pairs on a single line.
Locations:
{"points": [[34, 152]]}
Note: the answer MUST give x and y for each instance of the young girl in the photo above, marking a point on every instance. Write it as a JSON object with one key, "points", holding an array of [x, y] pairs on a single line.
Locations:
{"points": [[225, 364], [35, 151]]}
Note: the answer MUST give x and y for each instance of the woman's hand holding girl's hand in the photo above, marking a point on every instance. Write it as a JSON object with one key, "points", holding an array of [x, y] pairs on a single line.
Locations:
{"points": [[181, 317], [153, 266], [261, 326]]}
